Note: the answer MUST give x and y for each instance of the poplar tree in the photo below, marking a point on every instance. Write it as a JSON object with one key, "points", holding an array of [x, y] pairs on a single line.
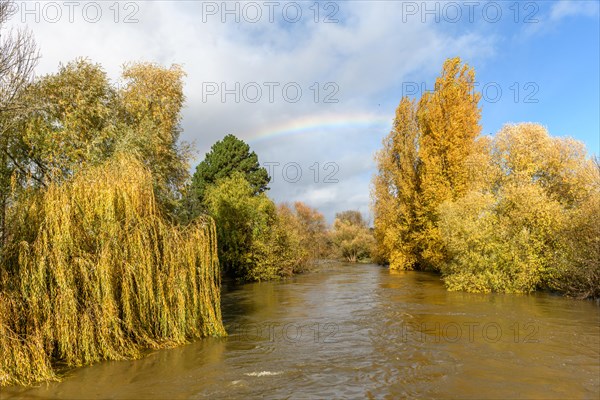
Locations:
{"points": [[395, 190], [449, 121]]}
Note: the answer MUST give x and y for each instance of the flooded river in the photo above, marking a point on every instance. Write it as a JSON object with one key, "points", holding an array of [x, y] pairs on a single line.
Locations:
{"points": [[361, 331]]}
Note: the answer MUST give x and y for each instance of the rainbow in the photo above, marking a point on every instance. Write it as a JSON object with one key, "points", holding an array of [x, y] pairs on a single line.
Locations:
{"points": [[324, 122]]}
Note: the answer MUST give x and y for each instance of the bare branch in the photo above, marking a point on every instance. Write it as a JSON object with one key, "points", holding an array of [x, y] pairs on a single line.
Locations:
{"points": [[18, 58]]}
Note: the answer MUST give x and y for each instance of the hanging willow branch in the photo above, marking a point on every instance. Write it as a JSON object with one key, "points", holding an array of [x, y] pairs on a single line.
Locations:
{"points": [[95, 272]]}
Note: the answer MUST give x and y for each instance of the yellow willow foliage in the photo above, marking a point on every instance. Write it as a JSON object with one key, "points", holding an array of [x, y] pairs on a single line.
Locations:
{"points": [[156, 93], [449, 123], [151, 103], [578, 270], [94, 272], [69, 123], [395, 190], [526, 153], [503, 243], [534, 224]]}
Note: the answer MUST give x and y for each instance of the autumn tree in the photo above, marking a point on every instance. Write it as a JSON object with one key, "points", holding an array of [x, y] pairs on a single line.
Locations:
{"points": [[427, 158], [294, 248], [71, 125], [500, 243], [78, 118], [526, 154], [150, 106], [577, 272], [307, 233], [395, 190], [313, 230], [449, 122], [351, 236], [533, 226], [243, 220], [256, 240], [18, 58], [89, 246]]}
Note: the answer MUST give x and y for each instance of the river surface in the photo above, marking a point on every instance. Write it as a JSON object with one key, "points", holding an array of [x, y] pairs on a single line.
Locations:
{"points": [[361, 331]]}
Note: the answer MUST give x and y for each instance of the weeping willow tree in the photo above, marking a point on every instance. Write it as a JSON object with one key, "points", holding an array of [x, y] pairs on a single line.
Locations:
{"points": [[93, 271]]}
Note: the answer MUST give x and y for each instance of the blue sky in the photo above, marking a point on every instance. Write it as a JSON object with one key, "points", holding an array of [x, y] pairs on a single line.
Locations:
{"points": [[365, 61], [562, 59]]}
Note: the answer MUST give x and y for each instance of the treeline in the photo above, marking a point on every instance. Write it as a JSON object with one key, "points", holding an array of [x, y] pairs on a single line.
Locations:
{"points": [[516, 212], [257, 239]]}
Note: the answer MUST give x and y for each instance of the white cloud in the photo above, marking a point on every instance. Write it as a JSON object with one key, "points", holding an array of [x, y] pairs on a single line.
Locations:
{"points": [[571, 8]]}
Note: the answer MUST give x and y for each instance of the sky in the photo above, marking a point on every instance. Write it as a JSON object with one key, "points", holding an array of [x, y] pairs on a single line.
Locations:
{"points": [[312, 86]]}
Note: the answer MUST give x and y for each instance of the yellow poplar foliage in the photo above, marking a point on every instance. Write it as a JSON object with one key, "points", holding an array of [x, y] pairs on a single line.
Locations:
{"points": [[449, 123], [395, 191], [92, 271], [427, 158], [513, 213]]}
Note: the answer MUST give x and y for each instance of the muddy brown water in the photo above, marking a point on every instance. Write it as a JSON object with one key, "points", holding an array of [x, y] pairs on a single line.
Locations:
{"points": [[361, 331]]}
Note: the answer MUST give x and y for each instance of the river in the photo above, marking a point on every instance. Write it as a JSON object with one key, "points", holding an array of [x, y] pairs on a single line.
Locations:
{"points": [[361, 331]]}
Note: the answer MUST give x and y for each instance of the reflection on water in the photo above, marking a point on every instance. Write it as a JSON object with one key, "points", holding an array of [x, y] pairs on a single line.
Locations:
{"points": [[363, 331]]}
